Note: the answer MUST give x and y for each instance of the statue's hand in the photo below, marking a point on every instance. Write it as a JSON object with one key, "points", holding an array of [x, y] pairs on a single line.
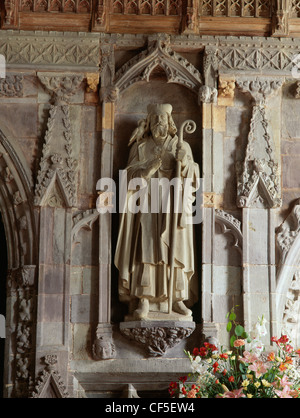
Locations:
{"points": [[181, 155], [152, 167]]}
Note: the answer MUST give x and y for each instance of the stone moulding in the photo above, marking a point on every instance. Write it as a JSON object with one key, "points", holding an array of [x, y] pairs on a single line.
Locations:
{"points": [[158, 55], [157, 336], [230, 225]]}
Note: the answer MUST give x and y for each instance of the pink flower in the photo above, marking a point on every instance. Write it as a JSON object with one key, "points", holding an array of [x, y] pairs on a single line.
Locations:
{"points": [[236, 393], [284, 382], [239, 343], [285, 393], [259, 367], [248, 357]]}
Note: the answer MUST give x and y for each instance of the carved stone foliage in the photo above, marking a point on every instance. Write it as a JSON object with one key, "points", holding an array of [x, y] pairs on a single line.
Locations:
{"points": [[226, 88], [21, 284], [56, 182], [50, 384], [11, 85], [258, 177], [155, 337], [230, 225], [159, 55]]}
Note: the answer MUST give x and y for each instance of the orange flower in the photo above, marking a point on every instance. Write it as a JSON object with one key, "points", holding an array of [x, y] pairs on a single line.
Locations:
{"points": [[282, 367], [271, 356], [239, 343], [288, 360], [192, 393]]}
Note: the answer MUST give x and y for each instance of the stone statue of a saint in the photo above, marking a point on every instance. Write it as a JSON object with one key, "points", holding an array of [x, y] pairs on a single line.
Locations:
{"points": [[143, 253]]}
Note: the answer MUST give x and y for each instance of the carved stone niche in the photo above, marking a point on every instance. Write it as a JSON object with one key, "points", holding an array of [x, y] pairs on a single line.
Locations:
{"points": [[157, 336]]}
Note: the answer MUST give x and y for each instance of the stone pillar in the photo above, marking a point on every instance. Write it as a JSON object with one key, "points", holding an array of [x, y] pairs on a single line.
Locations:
{"points": [[55, 195], [103, 346], [210, 131]]}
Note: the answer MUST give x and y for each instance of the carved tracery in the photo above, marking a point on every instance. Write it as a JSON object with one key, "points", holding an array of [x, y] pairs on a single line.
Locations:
{"points": [[159, 54]]}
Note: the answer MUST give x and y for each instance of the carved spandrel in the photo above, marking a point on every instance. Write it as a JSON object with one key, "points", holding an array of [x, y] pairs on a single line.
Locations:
{"points": [[56, 185], [258, 176]]}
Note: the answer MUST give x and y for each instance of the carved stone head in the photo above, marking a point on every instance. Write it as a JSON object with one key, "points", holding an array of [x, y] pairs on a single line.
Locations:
{"points": [[159, 121]]}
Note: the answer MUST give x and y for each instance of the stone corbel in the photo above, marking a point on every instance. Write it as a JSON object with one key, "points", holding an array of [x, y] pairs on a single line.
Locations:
{"points": [[92, 81], [157, 337], [258, 176], [207, 95], [56, 184]]}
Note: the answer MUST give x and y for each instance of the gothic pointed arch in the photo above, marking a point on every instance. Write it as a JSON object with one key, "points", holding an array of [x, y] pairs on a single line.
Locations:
{"points": [[17, 214], [288, 275], [158, 55]]}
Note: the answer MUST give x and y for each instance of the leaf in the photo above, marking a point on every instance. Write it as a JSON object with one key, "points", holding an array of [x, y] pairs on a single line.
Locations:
{"points": [[239, 330], [232, 340], [232, 316], [229, 326], [245, 335]]}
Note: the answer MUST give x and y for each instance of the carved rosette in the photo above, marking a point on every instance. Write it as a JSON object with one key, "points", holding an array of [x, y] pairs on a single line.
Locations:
{"points": [[56, 185], [258, 177], [155, 337]]}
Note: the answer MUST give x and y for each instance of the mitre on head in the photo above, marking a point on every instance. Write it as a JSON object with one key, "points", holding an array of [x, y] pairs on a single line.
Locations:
{"points": [[159, 108]]}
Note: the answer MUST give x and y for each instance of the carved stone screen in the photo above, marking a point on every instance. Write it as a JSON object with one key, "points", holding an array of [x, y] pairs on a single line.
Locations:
{"points": [[85, 84]]}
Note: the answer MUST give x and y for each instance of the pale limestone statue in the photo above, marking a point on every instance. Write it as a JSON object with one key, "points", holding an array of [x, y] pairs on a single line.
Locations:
{"points": [[144, 248]]}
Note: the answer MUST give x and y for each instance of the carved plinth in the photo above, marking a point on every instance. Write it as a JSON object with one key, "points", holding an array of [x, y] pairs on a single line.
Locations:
{"points": [[157, 336]]}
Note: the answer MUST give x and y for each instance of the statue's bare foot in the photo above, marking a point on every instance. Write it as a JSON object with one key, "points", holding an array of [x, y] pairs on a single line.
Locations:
{"points": [[142, 311], [180, 308]]}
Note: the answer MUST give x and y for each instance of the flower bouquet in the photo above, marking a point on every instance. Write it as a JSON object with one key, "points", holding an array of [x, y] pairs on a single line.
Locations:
{"points": [[244, 371]]}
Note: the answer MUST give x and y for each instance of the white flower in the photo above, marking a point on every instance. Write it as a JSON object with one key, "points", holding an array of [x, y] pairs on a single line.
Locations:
{"points": [[256, 346]]}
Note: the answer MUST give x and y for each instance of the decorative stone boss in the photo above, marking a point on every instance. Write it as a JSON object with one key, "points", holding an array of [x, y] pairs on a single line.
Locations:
{"points": [[155, 248]]}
